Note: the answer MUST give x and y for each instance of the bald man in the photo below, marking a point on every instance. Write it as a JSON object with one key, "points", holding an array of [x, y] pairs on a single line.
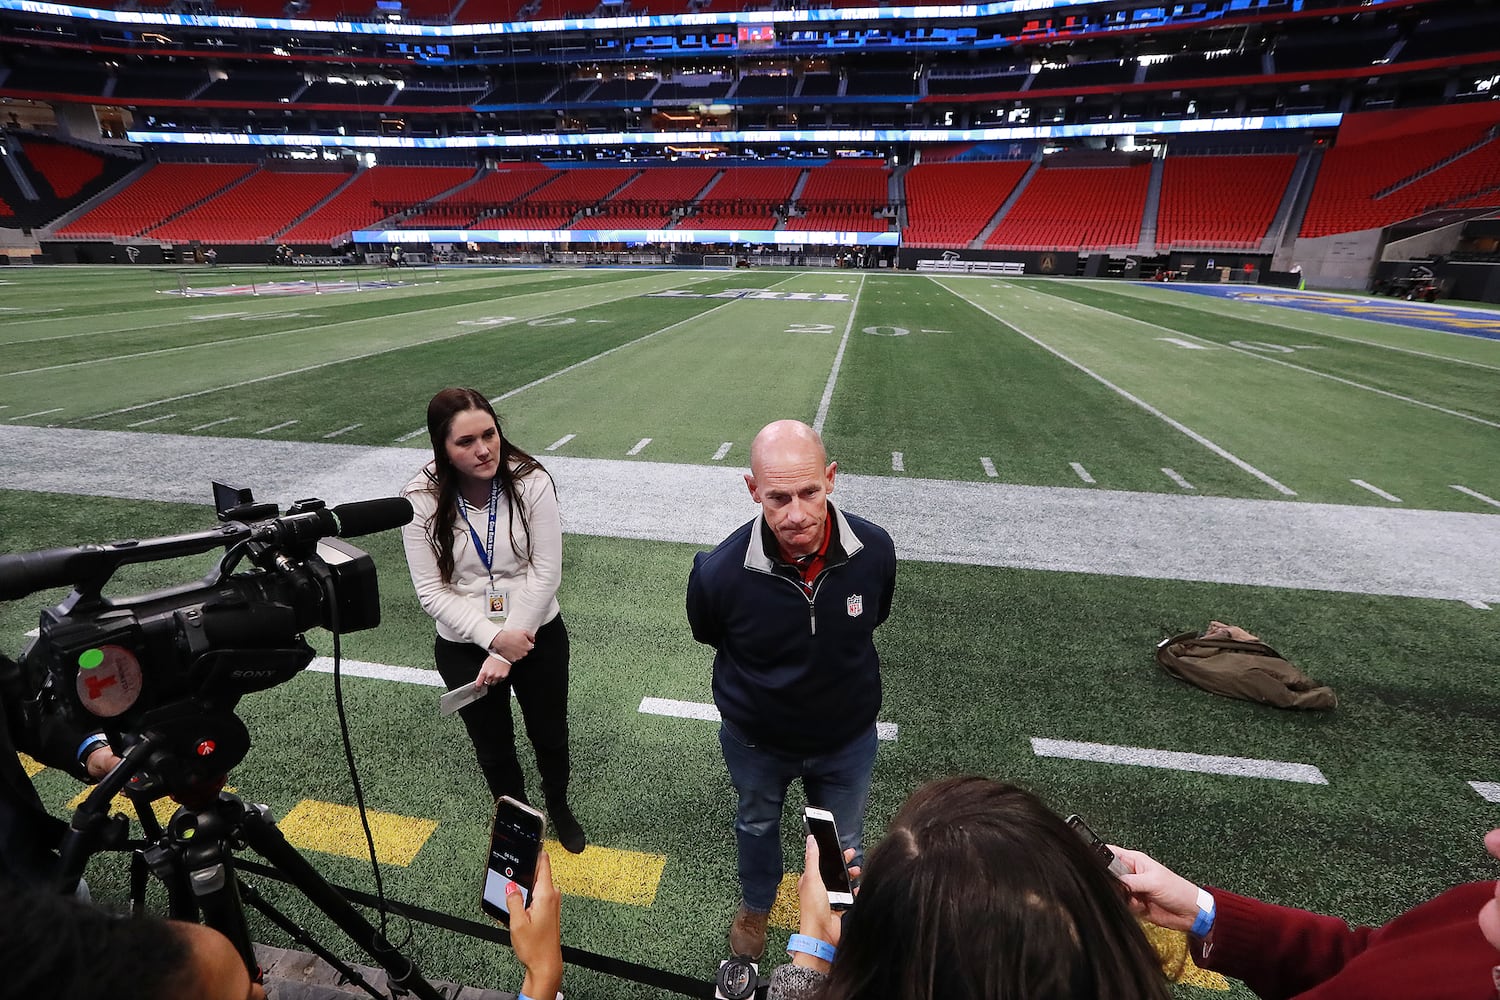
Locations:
{"points": [[790, 603]]}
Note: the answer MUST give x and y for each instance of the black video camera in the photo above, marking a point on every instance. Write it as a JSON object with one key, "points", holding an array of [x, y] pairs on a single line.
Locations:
{"points": [[177, 661]]}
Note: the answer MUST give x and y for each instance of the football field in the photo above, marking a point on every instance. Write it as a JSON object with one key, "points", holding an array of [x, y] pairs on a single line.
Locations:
{"points": [[1071, 470]]}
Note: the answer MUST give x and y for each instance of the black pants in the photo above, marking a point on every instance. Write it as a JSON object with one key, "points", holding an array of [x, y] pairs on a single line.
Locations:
{"points": [[540, 679]]}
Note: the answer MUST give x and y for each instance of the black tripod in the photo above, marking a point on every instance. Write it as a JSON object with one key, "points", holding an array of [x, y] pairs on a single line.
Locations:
{"points": [[193, 854]]}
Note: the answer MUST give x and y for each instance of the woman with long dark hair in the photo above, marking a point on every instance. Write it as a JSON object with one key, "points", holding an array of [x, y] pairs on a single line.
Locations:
{"points": [[485, 553], [977, 892]]}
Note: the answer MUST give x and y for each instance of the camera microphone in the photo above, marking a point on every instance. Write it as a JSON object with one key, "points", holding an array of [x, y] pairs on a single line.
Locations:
{"points": [[365, 517], [305, 522]]}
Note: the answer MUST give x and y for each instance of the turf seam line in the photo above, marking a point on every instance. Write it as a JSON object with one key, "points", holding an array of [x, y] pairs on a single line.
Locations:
{"points": [[1177, 425]]}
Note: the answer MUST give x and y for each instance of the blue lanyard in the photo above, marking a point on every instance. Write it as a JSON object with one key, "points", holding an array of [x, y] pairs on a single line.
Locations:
{"points": [[484, 550]]}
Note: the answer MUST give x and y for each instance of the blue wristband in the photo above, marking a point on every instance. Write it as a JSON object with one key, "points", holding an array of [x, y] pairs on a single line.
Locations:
{"points": [[810, 946], [90, 743], [1203, 923]]}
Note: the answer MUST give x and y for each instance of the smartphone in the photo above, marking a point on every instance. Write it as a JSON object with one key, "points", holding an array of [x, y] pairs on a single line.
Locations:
{"points": [[1099, 847], [831, 864], [515, 842]]}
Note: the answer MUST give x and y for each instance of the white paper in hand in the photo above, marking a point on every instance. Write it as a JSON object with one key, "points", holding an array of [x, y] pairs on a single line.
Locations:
{"points": [[459, 697]]}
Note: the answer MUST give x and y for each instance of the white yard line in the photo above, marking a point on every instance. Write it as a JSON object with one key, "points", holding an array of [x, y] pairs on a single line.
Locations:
{"points": [[1174, 424], [887, 731], [1476, 495], [988, 465], [1488, 790], [1303, 368], [465, 332], [1081, 472], [152, 420], [1382, 494], [213, 423], [1478, 605], [277, 427], [604, 354], [838, 361], [1189, 302], [342, 431], [1241, 767], [723, 450], [1177, 478], [1350, 382], [561, 441], [379, 671], [279, 305], [898, 462], [639, 446], [39, 413]]}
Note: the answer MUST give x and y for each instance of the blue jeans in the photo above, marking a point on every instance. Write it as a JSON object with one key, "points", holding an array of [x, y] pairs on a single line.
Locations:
{"points": [[838, 781]]}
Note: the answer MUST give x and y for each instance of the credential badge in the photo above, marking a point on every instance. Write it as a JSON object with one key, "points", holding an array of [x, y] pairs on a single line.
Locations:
{"points": [[855, 603]]}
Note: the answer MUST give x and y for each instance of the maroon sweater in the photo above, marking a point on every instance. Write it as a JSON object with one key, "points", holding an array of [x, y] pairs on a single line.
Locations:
{"points": [[1432, 952]]}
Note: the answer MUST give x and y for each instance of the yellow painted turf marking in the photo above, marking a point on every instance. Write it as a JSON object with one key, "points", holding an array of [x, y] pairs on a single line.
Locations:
{"points": [[605, 873], [335, 829], [31, 767], [163, 807], [785, 912]]}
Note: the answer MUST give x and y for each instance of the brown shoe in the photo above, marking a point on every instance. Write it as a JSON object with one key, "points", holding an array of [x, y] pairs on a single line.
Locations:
{"points": [[747, 935]]}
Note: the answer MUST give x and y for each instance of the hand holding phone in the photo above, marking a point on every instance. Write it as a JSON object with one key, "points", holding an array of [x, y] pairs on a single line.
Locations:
{"points": [[515, 842], [536, 933], [832, 868]]}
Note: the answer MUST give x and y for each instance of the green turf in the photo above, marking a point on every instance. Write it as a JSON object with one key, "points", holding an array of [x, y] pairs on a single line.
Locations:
{"points": [[978, 660]]}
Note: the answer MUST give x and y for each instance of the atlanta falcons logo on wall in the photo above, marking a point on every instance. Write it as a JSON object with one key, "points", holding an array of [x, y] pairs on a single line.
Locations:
{"points": [[133, 253], [855, 603]]}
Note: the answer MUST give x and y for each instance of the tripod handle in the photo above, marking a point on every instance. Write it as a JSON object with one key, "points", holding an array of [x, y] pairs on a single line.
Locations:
{"points": [[91, 825]]}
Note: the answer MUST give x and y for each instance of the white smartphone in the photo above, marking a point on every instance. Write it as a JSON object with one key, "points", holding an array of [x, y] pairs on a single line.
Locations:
{"points": [[831, 864], [515, 842]]}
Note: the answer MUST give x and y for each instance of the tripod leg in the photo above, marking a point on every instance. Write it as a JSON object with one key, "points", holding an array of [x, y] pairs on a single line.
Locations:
{"points": [[350, 974], [261, 834]]}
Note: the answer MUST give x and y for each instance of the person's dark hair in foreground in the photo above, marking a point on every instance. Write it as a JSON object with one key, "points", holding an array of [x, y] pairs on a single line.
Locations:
{"points": [[61, 948], [981, 892]]}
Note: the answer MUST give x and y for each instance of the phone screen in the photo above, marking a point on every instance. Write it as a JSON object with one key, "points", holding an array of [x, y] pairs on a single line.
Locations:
{"points": [[515, 840], [831, 866]]}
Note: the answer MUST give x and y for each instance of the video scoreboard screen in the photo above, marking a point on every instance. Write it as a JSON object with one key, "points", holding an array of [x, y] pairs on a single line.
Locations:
{"points": [[755, 35]]}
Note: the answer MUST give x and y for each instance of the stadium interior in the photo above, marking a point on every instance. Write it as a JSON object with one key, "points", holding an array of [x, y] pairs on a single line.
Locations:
{"points": [[1333, 143]]}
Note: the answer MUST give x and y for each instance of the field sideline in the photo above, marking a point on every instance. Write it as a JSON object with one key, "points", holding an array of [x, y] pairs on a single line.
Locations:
{"points": [[1070, 470]]}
